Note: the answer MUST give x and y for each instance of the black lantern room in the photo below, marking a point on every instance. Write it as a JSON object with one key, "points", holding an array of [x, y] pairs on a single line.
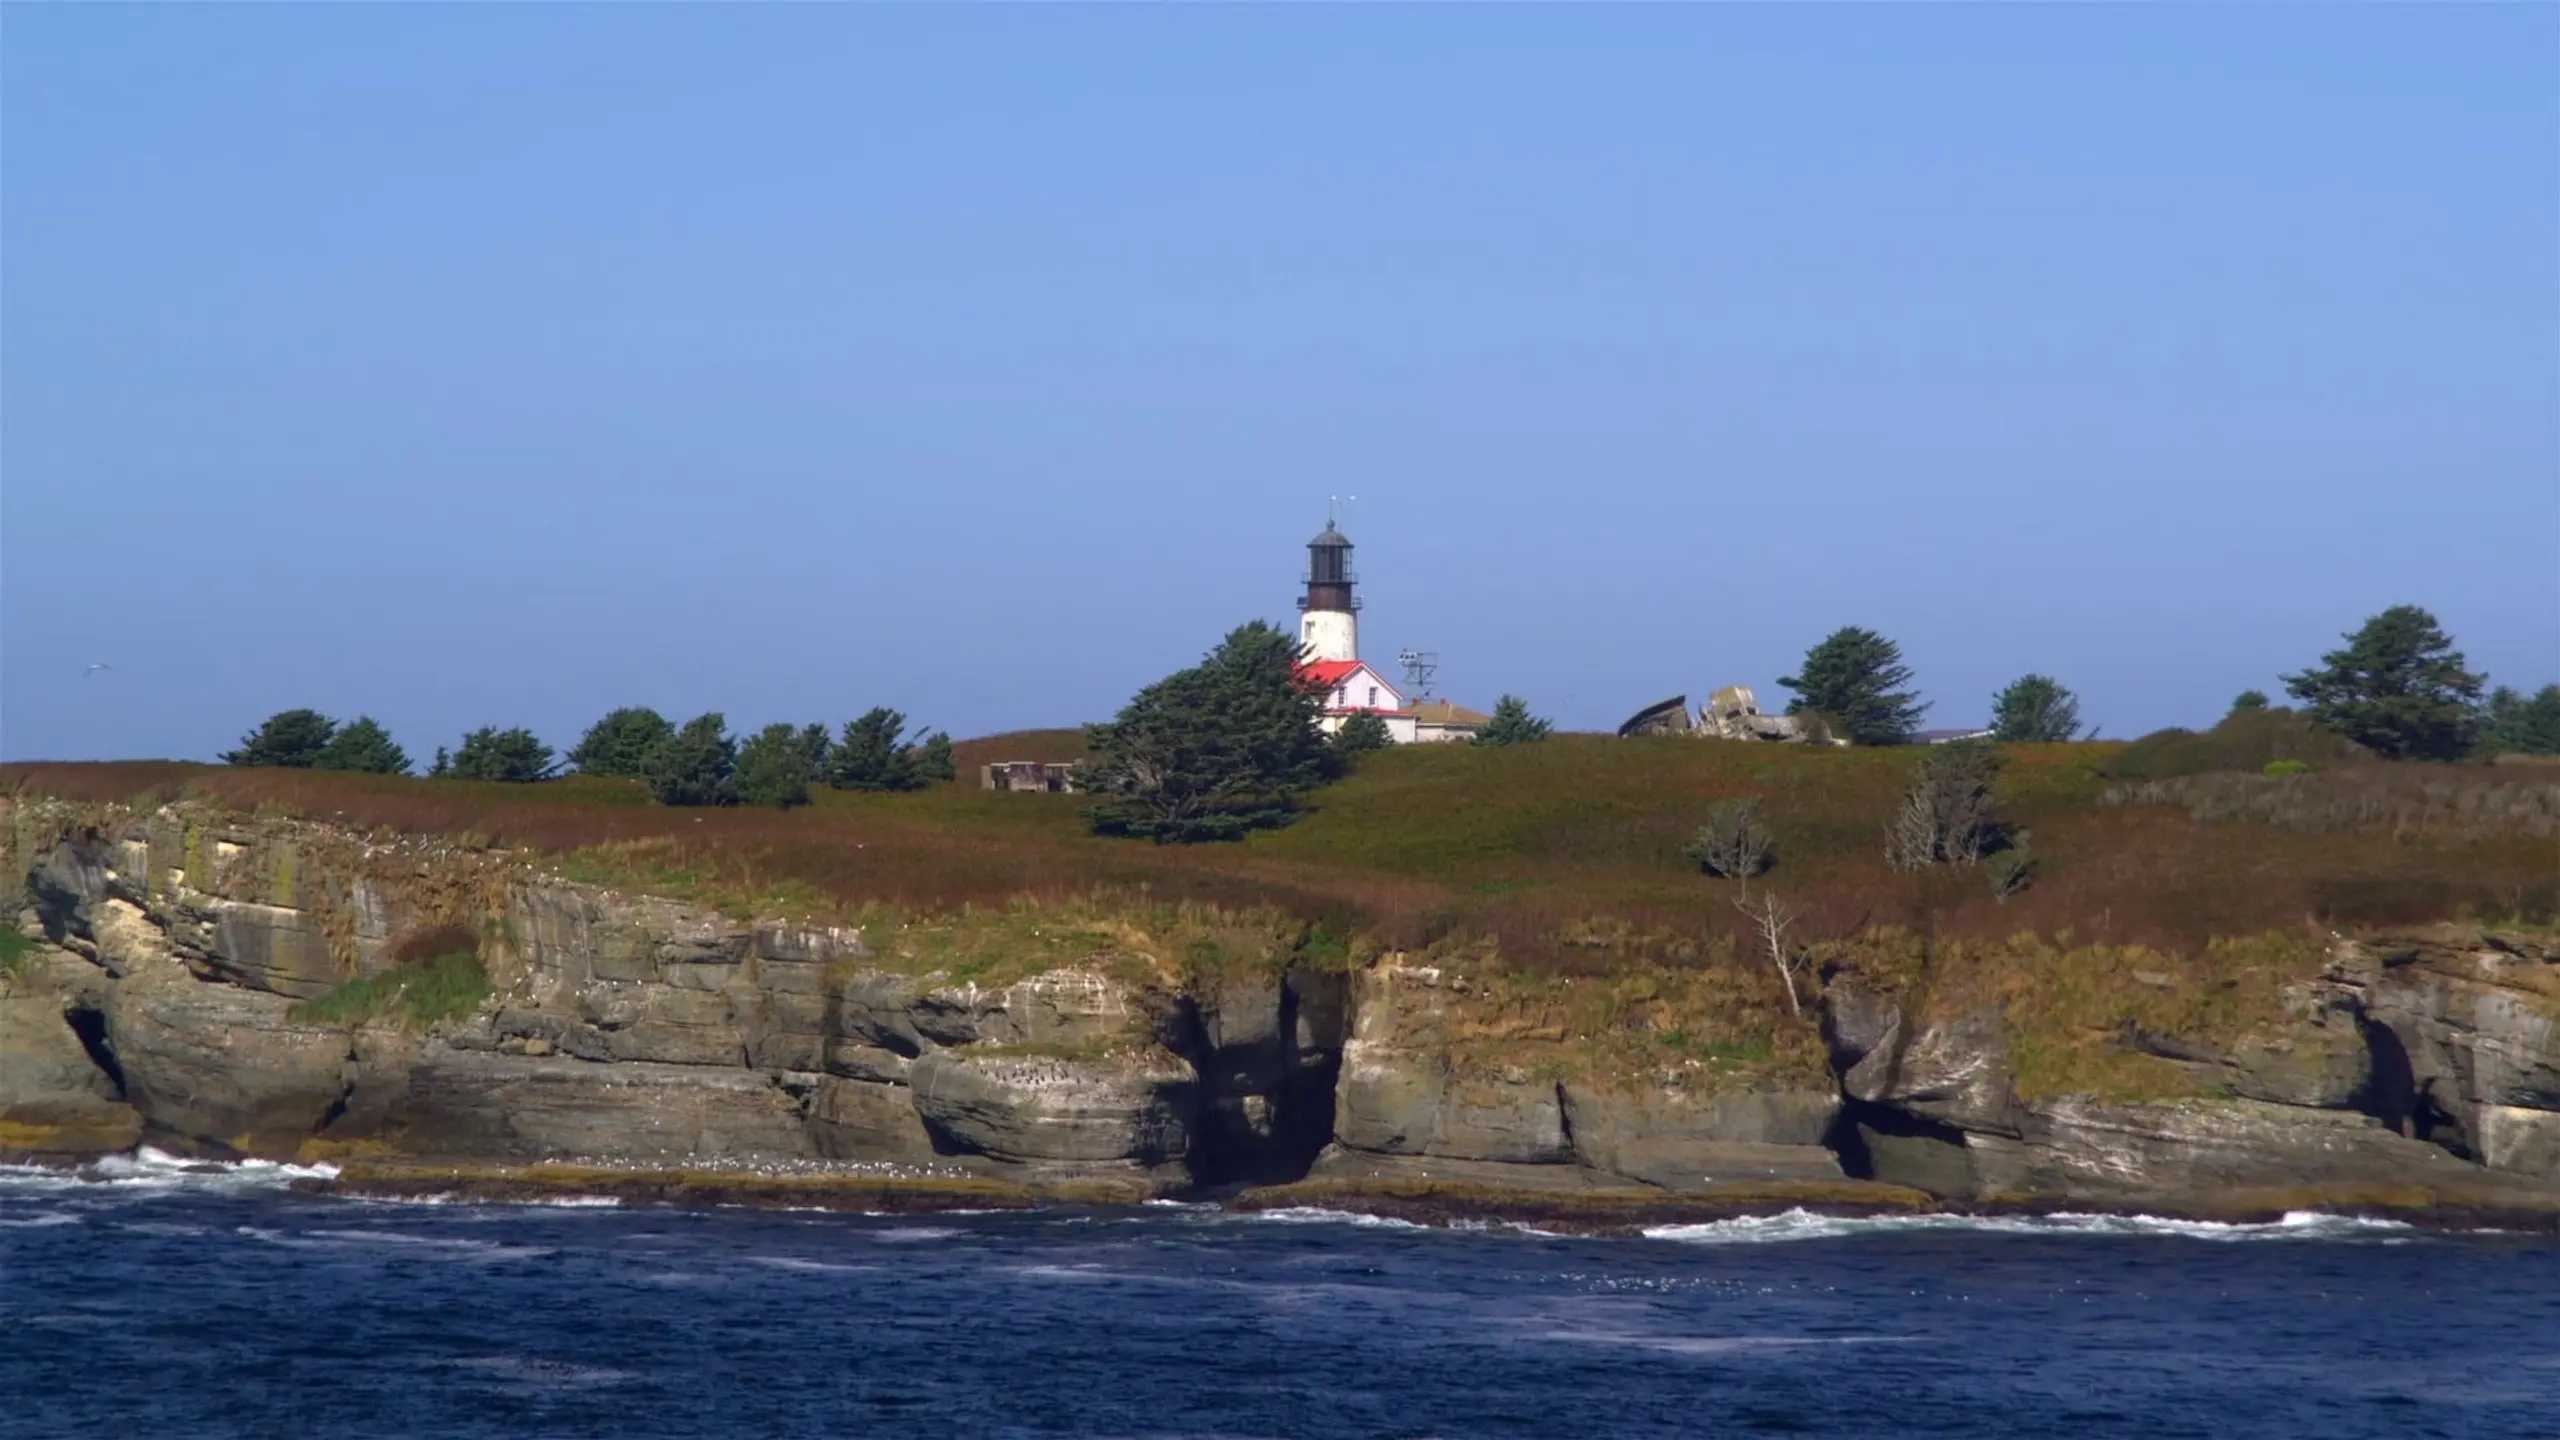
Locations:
{"points": [[1329, 572]]}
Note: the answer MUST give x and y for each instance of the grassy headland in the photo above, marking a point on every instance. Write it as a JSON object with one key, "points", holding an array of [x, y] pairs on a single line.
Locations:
{"points": [[1530, 846]]}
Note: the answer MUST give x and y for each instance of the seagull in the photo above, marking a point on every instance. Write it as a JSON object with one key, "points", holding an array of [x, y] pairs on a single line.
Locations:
{"points": [[94, 667]]}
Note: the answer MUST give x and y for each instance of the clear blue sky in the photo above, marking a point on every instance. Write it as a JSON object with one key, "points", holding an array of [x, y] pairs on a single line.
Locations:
{"points": [[479, 364]]}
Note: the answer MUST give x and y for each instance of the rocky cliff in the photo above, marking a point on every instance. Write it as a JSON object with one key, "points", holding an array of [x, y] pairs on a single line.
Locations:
{"points": [[169, 999], [187, 972]]}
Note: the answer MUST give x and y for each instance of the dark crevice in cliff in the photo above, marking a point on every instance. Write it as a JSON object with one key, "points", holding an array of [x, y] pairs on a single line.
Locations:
{"points": [[1879, 1142], [2390, 1093], [91, 1027], [337, 1107], [1842, 1139], [1264, 1108]]}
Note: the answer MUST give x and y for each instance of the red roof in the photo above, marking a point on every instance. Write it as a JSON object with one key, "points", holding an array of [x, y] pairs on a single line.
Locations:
{"points": [[1329, 673]]}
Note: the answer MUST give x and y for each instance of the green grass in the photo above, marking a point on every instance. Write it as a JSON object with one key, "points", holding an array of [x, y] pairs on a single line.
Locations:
{"points": [[437, 991], [15, 951], [1518, 845]]}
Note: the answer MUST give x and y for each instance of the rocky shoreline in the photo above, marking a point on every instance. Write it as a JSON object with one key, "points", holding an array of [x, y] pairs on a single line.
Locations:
{"points": [[686, 1056]]}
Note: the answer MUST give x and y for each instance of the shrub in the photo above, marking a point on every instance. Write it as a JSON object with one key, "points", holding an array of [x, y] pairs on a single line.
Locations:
{"points": [[2249, 700], [772, 769], [362, 745], [2035, 708], [419, 995], [1855, 677], [2010, 871], [1224, 748], [1361, 734], [693, 765], [1946, 815], [2398, 688], [2287, 767], [1512, 724], [291, 739], [15, 948], [1733, 844], [2246, 740], [619, 744], [512, 756], [2465, 803]]}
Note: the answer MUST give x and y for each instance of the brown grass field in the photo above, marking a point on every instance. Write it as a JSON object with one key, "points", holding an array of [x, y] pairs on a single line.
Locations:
{"points": [[1529, 846]]}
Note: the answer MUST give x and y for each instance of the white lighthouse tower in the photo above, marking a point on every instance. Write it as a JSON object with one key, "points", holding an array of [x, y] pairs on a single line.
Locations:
{"points": [[1329, 615]]}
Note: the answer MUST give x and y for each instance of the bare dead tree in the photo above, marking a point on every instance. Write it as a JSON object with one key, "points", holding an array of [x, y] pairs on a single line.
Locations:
{"points": [[1734, 843], [1946, 817], [1770, 919]]}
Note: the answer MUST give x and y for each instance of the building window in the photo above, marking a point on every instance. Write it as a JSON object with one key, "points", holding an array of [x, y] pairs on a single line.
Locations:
{"points": [[1373, 697], [1341, 696]]}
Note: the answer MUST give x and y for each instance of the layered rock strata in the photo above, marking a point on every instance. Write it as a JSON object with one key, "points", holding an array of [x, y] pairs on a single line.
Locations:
{"points": [[158, 1000]]}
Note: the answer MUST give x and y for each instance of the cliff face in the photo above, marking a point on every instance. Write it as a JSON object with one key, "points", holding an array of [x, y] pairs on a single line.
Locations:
{"points": [[621, 1029], [631, 1030]]}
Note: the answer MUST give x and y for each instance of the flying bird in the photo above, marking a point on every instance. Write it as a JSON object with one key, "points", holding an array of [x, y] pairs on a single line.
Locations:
{"points": [[94, 667]]}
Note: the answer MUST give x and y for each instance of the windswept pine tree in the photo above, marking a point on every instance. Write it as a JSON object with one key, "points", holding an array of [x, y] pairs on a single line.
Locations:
{"points": [[363, 745], [1229, 746], [1856, 679], [618, 745], [291, 739], [2398, 688]]}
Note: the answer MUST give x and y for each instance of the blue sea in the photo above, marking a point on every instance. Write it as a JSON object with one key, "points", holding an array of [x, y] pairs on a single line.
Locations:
{"points": [[148, 1298]]}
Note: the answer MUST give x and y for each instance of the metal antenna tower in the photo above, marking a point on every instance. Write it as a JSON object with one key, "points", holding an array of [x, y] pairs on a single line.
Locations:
{"points": [[1334, 507], [1419, 667]]}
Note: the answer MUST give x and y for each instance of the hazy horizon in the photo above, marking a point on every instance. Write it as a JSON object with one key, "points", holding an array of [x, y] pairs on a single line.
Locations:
{"points": [[502, 366]]}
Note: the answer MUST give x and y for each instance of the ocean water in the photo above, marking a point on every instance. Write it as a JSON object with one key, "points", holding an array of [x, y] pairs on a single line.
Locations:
{"points": [[146, 1299]]}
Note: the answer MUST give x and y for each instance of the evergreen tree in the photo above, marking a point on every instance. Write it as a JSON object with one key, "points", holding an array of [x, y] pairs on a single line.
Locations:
{"points": [[1855, 678], [2398, 688], [693, 765], [1512, 724], [773, 768], [363, 745], [873, 754], [1226, 747], [292, 739], [933, 759], [2035, 707], [815, 742], [618, 745], [2249, 700], [2523, 726], [1361, 734], [443, 768], [513, 756]]}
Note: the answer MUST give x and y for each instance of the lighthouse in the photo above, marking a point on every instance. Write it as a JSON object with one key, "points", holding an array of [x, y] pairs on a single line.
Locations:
{"points": [[1329, 616]]}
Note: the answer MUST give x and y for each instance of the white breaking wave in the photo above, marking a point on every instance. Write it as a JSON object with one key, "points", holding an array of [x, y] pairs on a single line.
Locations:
{"points": [[819, 1267], [1804, 1225], [39, 1220], [150, 1171], [1317, 1215]]}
